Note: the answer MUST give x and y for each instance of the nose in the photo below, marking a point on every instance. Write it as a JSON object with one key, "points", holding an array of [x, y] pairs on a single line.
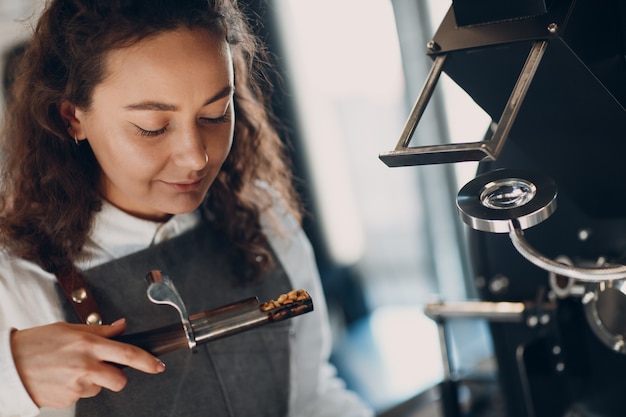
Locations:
{"points": [[189, 150]]}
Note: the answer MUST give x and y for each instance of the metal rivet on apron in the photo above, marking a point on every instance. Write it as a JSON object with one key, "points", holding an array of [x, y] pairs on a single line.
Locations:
{"points": [[79, 295], [94, 318]]}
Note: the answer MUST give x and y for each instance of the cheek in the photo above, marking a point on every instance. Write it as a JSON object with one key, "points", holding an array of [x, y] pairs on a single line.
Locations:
{"points": [[218, 150], [119, 157], [227, 148]]}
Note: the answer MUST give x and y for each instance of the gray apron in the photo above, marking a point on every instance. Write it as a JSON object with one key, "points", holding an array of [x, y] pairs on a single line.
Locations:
{"points": [[242, 375]]}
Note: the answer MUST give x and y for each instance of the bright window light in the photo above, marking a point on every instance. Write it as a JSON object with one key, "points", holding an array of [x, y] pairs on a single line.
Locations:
{"points": [[346, 71]]}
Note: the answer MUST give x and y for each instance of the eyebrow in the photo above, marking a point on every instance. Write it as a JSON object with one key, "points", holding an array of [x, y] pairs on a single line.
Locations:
{"points": [[157, 106]]}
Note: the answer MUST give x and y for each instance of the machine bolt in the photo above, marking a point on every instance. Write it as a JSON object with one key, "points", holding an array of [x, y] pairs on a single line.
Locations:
{"points": [[532, 321], [544, 319], [499, 284], [432, 46], [583, 235], [618, 346], [556, 350], [560, 367], [553, 27], [588, 297], [480, 282]]}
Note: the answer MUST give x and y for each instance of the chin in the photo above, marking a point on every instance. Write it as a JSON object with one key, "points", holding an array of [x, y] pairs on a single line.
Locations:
{"points": [[183, 208]]}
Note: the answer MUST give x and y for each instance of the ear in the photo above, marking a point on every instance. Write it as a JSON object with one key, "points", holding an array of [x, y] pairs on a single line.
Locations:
{"points": [[72, 118]]}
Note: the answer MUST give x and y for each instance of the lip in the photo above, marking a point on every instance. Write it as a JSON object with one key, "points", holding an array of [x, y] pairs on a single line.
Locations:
{"points": [[186, 185]]}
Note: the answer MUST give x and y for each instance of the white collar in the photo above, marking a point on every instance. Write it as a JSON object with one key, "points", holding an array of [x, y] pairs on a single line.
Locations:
{"points": [[116, 233]]}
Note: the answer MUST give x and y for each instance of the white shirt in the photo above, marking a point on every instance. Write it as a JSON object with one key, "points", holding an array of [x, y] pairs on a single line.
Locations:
{"points": [[28, 298]]}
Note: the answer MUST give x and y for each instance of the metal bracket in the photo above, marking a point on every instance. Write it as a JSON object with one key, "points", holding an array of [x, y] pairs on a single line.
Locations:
{"points": [[403, 155], [161, 290]]}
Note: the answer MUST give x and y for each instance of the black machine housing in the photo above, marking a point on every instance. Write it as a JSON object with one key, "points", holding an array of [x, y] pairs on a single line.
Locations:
{"points": [[571, 126]]}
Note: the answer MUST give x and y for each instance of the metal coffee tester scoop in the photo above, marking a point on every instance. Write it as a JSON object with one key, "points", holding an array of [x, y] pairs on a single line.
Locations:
{"points": [[212, 324]]}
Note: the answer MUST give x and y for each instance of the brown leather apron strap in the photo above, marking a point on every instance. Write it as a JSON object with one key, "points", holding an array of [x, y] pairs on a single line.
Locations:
{"points": [[77, 292]]}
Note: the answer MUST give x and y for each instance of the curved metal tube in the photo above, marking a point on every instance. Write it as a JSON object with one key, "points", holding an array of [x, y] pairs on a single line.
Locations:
{"points": [[583, 274]]}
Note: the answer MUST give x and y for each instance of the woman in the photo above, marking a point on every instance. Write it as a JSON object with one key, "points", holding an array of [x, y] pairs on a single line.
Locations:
{"points": [[140, 136]]}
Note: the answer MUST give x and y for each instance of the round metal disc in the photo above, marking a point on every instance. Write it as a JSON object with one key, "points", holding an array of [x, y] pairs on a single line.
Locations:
{"points": [[490, 201], [604, 310]]}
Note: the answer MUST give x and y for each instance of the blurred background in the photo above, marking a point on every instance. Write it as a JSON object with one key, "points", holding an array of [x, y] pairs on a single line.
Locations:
{"points": [[388, 240]]}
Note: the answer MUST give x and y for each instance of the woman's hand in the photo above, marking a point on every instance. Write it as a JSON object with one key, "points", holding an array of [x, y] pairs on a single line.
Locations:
{"points": [[61, 363]]}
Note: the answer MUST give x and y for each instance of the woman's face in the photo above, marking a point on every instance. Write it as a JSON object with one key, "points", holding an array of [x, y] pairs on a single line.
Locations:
{"points": [[161, 123]]}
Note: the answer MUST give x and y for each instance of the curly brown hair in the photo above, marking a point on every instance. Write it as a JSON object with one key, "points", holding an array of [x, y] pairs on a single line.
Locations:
{"points": [[49, 189]]}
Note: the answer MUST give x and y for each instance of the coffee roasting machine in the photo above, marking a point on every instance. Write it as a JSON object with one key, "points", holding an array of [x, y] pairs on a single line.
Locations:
{"points": [[547, 209]]}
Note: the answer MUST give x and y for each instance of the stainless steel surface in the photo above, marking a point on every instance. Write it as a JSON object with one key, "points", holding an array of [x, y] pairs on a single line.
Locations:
{"points": [[403, 155], [492, 311], [443, 349], [600, 273], [516, 98], [241, 316], [491, 200], [218, 323], [509, 201], [227, 320], [603, 305], [161, 290], [422, 101], [563, 286], [524, 380]]}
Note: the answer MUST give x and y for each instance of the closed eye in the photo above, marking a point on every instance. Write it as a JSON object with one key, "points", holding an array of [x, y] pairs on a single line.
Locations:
{"points": [[151, 133], [222, 119]]}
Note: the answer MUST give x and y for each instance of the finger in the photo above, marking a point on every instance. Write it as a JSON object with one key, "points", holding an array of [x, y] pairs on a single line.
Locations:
{"points": [[128, 355], [89, 390], [108, 331], [106, 376], [122, 353]]}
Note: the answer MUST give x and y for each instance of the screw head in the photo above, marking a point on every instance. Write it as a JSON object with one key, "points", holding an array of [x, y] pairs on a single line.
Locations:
{"points": [[588, 297], [432, 45], [553, 27], [499, 284]]}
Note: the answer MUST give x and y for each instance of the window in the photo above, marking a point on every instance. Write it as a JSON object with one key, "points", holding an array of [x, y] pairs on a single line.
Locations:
{"points": [[394, 226]]}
